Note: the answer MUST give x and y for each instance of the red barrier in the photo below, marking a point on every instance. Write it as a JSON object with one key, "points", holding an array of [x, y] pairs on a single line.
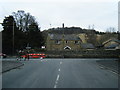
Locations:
{"points": [[34, 56]]}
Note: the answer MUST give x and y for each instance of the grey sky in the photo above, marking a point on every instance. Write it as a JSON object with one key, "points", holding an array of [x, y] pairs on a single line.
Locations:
{"points": [[81, 13]]}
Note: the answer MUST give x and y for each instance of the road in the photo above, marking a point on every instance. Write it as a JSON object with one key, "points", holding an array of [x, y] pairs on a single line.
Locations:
{"points": [[60, 73]]}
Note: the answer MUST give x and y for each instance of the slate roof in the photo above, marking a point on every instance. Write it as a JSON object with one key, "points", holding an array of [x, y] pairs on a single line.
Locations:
{"points": [[87, 46], [66, 37], [112, 46], [113, 39]]}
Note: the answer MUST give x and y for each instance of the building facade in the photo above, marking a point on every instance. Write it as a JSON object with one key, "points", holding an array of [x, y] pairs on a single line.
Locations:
{"points": [[63, 42], [111, 43]]}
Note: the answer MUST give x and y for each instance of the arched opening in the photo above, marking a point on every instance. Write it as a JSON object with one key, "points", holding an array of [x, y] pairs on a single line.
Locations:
{"points": [[67, 48]]}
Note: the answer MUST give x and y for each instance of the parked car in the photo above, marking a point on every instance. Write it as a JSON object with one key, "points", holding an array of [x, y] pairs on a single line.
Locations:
{"points": [[3, 55]]}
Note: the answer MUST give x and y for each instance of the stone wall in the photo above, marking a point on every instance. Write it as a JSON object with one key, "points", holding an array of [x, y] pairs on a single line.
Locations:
{"points": [[84, 53]]}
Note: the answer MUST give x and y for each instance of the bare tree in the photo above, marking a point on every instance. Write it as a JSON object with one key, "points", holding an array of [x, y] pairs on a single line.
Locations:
{"points": [[23, 20], [110, 30]]}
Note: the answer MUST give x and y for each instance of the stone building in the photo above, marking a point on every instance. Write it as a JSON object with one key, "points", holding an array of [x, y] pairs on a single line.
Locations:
{"points": [[111, 43], [63, 42]]}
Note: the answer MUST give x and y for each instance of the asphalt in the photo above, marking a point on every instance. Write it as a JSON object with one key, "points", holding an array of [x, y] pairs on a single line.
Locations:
{"points": [[60, 73]]}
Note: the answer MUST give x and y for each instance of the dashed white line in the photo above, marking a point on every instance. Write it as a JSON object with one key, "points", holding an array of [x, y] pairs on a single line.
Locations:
{"points": [[60, 62], [56, 82], [55, 86], [57, 78], [59, 69]]}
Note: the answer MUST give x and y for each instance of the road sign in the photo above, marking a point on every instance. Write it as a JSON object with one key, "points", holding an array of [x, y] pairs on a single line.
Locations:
{"points": [[28, 47]]}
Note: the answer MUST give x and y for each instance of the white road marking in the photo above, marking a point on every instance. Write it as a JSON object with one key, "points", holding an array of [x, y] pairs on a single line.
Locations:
{"points": [[58, 77], [55, 86], [59, 69], [60, 62]]}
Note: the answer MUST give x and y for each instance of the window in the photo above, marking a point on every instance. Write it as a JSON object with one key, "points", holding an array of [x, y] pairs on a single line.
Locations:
{"points": [[66, 41], [57, 42], [76, 42]]}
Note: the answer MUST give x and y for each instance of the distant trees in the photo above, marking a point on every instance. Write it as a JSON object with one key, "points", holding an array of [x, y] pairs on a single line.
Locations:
{"points": [[23, 20], [20, 30], [9, 33], [35, 38], [110, 30], [110, 33], [91, 38]]}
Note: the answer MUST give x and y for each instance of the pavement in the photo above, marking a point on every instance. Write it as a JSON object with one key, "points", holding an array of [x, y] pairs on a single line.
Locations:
{"points": [[10, 64], [113, 65], [60, 73]]}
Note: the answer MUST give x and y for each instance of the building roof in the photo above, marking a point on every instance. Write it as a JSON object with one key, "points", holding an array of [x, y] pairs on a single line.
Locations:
{"points": [[113, 39], [112, 46], [66, 37], [87, 46]]}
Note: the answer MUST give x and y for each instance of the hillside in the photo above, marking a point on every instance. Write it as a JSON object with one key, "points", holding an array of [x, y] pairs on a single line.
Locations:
{"points": [[87, 35]]}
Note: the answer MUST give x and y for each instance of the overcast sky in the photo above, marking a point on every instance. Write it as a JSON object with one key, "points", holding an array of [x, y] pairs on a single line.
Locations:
{"points": [[78, 13]]}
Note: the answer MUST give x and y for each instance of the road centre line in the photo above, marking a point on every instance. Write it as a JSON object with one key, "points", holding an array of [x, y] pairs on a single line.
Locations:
{"points": [[59, 69], [60, 62], [55, 86], [58, 77]]}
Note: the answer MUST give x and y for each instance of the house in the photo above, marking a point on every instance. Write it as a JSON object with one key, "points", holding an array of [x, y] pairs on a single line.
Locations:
{"points": [[87, 46], [83, 37], [63, 42], [111, 43]]}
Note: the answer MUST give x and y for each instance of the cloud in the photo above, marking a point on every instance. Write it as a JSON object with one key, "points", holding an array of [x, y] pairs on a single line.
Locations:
{"points": [[102, 13]]}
